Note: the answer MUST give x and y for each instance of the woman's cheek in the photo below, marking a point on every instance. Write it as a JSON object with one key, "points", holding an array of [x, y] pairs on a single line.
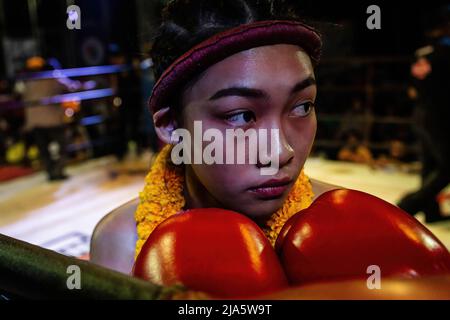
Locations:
{"points": [[309, 132], [218, 178], [312, 130], [303, 137]]}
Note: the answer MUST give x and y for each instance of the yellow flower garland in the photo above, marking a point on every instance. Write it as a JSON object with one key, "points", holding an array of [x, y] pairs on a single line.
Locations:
{"points": [[162, 197]]}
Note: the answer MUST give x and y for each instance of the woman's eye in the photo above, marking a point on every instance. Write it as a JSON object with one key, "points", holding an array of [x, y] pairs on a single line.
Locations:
{"points": [[241, 118], [302, 110]]}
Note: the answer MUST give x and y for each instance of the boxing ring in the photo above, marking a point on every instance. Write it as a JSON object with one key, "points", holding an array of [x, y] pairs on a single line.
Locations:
{"points": [[36, 271]]}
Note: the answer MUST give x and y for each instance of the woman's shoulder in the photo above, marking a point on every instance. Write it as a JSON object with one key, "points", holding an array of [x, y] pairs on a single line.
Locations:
{"points": [[320, 187]]}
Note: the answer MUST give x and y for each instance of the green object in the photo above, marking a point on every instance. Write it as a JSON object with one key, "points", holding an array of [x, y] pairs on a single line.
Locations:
{"points": [[29, 271]]}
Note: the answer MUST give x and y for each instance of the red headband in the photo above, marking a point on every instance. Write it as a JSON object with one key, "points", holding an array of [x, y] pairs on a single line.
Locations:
{"points": [[227, 43]]}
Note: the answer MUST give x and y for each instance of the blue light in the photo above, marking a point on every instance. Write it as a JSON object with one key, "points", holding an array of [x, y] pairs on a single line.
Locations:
{"points": [[89, 121], [73, 72]]}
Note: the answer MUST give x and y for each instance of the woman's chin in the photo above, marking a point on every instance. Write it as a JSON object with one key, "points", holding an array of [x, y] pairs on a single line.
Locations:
{"points": [[262, 211]]}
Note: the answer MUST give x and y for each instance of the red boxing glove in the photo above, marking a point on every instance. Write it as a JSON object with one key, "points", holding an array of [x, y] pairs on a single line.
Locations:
{"points": [[216, 251], [345, 231]]}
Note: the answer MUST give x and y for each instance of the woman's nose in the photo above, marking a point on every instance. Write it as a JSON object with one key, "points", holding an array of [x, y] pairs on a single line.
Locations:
{"points": [[279, 147], [285, 150]]}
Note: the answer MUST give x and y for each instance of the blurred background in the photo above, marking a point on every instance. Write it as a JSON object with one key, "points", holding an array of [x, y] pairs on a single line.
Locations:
{"points": [[76, 138]]}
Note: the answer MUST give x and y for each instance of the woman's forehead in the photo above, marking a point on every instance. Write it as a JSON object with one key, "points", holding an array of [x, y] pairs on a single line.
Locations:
{"points": [[275, 66]]}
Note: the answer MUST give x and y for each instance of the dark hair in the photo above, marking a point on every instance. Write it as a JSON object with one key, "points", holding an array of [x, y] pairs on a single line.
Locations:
{"points": [[186, 23]]}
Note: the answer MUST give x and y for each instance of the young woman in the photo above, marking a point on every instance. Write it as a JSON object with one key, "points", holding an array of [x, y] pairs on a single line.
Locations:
{"points": [[234, 64], [246, 65], [262, 80]]}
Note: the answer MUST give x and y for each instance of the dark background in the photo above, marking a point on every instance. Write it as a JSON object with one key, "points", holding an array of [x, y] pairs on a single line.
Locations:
{"points": [[362, 67]]}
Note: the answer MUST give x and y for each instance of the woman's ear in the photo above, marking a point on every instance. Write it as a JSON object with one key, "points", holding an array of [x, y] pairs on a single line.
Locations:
{"points": [[165, 124]]}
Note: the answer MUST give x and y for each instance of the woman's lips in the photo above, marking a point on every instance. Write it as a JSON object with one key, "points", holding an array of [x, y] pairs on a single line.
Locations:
{"points": [[271, 189]]}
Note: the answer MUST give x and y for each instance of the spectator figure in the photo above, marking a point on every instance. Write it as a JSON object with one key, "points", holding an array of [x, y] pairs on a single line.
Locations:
{"points": [[45, 121], [128, 89], [354, 150], [398, 158], [432, 94]]}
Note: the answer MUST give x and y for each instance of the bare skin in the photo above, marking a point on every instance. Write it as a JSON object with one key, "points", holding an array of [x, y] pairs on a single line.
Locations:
{"points": [[275, 90], [114, 239], [279, 93]]}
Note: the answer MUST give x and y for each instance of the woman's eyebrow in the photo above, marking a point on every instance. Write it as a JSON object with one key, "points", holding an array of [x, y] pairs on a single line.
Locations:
{"points": [[257, 93], [303, 84]]}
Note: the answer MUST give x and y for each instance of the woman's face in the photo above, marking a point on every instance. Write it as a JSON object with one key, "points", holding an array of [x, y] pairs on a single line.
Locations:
{"points": [[274, 89]]}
